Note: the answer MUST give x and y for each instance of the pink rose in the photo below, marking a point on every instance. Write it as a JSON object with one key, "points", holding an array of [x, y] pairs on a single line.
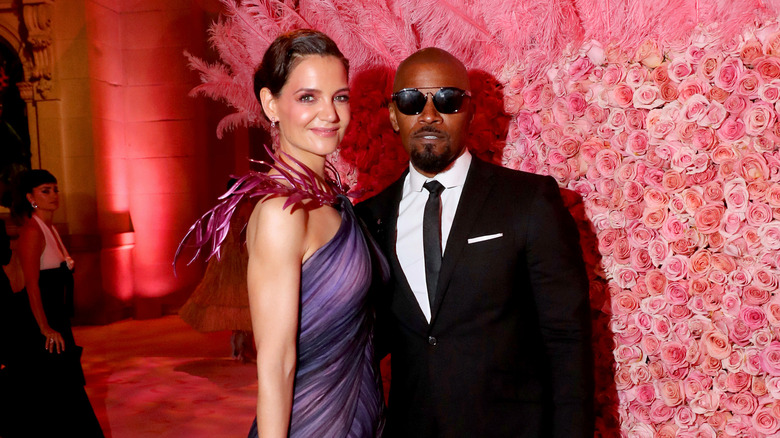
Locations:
{"points": [[692, 199], [613, 74], [650, 345], [660, 127], [701, 262], [622, 95], [644, 394], [624, 304], [742, 403], [671, 392], [749, 84], [753, 316], [753, 167], [731, 129], [577, 103], [736, 104], [728, 74], [715, 115], [579, 68], [770, 235], [737, 381], [626, 277], [705, 402], [640, 260], [758, 214], [673, 355], [764, 421], [750, 52], [640, 373], [679, 69], [764, 280], [532, 95], [716, 344], [635, 119], [768, 67], [758, 117], [713, 193], [709, 66], [616, 119], [708, 218], [770, 359], [636, 75], [660, 413], [630, 336], [659, 247], [701, 259], [647, 96], [667, 91], [607, 160], [622, 378], [596, 114], [770, 92], [656, 283], [673, 229], [673, 181], [724, 154], [757, 190], [691, 87], [710, 366], [654, 219], [627, 354], [695, 108], [551, 134], [528, 123], [723, 262], [736, 195], [758, 386]]}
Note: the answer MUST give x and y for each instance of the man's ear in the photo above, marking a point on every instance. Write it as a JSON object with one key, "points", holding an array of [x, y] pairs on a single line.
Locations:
{"points": [[393, 117], [268, 102]]}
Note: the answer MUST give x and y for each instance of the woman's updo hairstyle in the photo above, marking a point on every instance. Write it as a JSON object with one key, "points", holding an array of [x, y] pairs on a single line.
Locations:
{"points": [[284, 54], [25, 183]]}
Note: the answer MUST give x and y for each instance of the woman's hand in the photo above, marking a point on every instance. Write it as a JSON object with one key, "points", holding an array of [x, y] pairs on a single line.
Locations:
{"points": [[54, 340]]}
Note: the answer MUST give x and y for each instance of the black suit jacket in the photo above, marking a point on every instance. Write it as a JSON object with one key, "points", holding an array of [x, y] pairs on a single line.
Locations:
{"points": [[507, 351]]}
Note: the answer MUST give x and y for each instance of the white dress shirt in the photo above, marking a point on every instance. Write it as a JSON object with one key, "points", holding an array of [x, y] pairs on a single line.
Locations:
{"points": [[409, 237]]}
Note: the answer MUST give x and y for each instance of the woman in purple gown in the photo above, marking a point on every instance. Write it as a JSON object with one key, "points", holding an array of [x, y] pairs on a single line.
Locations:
{"points": [[310, 264]]}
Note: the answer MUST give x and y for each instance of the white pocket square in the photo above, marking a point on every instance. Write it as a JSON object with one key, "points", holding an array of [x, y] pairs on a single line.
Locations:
{"points": [[484, 238]]}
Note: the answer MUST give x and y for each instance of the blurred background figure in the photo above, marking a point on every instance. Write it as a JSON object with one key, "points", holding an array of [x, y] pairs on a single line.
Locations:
{"points": [[220, 302], [44, 375]]}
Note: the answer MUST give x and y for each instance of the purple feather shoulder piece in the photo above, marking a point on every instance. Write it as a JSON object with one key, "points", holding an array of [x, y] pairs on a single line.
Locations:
{"points": [[210, 230]]}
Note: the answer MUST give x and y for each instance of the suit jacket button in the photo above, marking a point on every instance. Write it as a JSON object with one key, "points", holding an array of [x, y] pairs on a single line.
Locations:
{"points": [[432, 340]]}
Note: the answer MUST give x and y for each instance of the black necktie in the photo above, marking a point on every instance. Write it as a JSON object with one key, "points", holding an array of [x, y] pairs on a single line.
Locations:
{"points": [[432, 237]]}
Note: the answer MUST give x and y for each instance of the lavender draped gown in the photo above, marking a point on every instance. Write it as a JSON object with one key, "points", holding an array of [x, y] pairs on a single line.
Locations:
{"points": [[337, 389]]}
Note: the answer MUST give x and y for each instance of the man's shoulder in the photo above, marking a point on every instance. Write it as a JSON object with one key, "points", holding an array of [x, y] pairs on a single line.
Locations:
{"points": [[382, 200], [511, 176]]}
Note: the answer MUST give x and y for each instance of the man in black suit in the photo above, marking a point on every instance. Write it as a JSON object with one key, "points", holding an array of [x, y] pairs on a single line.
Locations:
{"points": [[486, 314]]}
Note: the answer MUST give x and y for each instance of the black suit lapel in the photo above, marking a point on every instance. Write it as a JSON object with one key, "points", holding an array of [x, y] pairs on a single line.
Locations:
{"points": [[408, 305], [478, 183]]}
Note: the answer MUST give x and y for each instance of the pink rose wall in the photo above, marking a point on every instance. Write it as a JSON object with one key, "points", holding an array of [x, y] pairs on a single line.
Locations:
{"points": [[660, 123]]}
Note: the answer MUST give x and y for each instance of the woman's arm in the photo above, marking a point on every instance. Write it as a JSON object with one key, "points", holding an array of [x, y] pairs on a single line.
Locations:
{"points": [[30, 246], [276, 240]]}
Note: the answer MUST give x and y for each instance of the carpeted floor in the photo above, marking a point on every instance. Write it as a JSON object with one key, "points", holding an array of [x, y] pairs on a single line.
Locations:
{"points": [[161, 378]]}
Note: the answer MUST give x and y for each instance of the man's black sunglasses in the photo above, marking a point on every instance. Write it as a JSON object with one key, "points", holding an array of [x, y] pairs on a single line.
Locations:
{"points": [[447, 100]]}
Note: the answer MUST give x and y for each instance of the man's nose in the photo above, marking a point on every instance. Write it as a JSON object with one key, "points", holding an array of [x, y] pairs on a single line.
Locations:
{"points": [[429, 113]]}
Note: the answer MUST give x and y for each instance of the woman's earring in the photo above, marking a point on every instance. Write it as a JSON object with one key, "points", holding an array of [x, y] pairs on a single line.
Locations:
{"points": [[273, 123], [34, 205]]}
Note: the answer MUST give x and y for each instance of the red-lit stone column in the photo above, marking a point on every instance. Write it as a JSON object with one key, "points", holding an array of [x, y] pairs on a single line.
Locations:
{"points": [[150, 145]]}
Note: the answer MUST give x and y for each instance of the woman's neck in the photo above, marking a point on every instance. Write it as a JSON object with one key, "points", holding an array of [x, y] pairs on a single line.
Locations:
{"points": [[315, 163], [46, 216]]}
